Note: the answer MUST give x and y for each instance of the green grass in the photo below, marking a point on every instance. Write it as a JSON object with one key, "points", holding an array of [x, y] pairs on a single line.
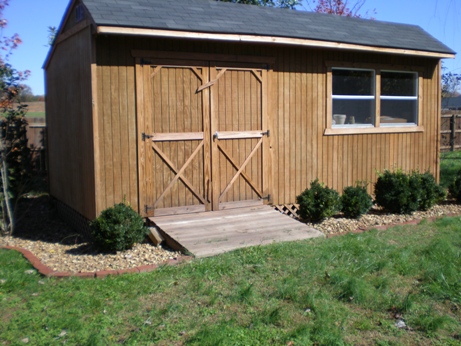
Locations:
{"points": [[341, 291], [35, 114], [30, 115], [450, 163]]}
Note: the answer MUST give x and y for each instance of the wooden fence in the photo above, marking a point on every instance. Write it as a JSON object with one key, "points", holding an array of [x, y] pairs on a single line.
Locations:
{"points": [[450, 132], [36, 136]]}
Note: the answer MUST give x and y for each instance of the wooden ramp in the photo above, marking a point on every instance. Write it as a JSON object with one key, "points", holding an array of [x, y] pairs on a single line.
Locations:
{"points": [[211, 233]]}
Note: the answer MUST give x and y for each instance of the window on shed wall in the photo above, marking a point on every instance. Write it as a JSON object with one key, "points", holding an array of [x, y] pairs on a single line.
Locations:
{"points": [[353, 97], [399, 98], [368, 100]]}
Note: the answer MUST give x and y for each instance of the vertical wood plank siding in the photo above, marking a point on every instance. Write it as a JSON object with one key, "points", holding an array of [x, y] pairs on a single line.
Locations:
{"points": [[297, 102], [69, 120], [117, 125]]}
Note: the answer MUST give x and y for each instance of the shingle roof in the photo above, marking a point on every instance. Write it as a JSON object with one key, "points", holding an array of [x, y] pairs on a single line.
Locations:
{"points": [[211, 16]]}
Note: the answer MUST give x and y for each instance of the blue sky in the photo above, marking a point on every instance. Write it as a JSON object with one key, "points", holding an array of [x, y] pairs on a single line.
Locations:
{"points": [[31, 19]]}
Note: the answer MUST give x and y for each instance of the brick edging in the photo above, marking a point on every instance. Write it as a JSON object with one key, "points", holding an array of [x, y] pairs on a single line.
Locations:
{"points": [[44, 270], [47, 271]]}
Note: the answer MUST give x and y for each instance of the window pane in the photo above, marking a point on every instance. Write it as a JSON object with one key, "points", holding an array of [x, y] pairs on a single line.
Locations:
{"points": [[398, 84], [356, 111], [399, 111], [353, 82]]}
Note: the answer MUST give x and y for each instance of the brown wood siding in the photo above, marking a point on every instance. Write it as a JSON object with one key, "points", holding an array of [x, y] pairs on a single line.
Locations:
{"points": [[297, 103], [73, 19], [116, 119], [69, 120]]}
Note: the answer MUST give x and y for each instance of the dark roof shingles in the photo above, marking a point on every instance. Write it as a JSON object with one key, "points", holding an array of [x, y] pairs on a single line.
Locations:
{"points": [[219, 17]]}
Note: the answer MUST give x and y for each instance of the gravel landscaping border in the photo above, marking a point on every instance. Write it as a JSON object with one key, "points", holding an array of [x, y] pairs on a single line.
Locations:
{"points": [[47, 271], [56, 250]]}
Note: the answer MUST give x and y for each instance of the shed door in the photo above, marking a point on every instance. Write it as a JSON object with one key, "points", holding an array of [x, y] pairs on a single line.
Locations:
{"points": [[173, 156], [201, 146], [239, 130]]}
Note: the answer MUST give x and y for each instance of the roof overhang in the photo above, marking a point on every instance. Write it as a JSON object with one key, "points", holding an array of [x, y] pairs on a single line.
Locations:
{"points": [[265, 39]]}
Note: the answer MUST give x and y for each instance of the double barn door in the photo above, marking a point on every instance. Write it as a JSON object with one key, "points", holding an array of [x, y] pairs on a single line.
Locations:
{"points": [[203, 136]]}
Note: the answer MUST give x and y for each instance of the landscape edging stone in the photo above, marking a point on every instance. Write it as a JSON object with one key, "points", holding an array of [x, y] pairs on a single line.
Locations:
{"points": [[44, 270], [47, 271]]}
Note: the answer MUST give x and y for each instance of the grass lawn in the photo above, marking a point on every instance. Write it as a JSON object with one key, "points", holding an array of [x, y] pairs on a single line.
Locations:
{"points": [[348, 290], [35, 115], [450, 163]]}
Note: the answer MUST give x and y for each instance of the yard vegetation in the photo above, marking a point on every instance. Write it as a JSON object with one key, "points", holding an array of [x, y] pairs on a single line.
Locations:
{"points": [[450, 164], [396, 287]]}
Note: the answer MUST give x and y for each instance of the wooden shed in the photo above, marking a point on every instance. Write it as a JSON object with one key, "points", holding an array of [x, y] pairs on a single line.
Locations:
{"points": [[198, 105]]}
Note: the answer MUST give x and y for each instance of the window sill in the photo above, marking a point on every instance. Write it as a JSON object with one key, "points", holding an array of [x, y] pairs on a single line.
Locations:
{"points": [[371, 130]]}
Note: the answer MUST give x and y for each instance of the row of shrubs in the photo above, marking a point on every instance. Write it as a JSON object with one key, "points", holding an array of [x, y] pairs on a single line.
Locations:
{"points": [[395, 191], [120, 227]]}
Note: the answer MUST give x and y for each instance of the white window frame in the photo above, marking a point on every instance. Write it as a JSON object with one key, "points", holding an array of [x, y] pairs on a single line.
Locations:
{"points": [[403, 98], [356, 97], [377, 127]]}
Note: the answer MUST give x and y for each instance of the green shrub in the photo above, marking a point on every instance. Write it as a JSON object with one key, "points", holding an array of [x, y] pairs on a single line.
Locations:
{"points": [[118, 228], [318, 202], [356, 201], [430, 193], [403, 193], [455, 187]]}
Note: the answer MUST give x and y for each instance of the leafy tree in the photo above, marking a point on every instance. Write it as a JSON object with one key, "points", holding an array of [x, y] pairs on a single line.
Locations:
{"points": [[271, 3], [451, 83], [52, 32], [14, 154], [25, 94], [339, 7]]}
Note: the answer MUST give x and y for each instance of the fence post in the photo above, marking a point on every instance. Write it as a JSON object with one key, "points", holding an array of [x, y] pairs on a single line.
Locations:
{"points": [[453, 132]]}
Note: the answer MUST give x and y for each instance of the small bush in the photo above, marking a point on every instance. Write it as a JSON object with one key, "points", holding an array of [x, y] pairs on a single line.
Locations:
{"points": [[455, 187], [430, 193], [355, 201], [318, 202], [393, 192], [118, 228], [403, 193]]}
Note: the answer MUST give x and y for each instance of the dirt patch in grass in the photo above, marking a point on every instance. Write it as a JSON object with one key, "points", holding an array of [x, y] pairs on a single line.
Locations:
{"points": [[38, 106]]}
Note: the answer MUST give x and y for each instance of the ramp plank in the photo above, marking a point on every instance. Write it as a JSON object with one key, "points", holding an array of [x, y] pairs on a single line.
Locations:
{"points": [[210, 233]]}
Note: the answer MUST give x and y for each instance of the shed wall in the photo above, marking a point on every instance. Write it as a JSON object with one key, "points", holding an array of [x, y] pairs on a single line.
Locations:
{"points": [[69, 121], [297, 90]]}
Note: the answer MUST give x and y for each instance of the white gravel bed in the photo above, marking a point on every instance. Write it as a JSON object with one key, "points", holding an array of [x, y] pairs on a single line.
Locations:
{"points": [[377, 218], [82, 258], [61, 250]]}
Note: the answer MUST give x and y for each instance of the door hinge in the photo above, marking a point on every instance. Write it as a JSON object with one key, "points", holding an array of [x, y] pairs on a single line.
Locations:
{"points": [[144, 136], [145, 62], [147, 208], [267, 133], [267, 198]]}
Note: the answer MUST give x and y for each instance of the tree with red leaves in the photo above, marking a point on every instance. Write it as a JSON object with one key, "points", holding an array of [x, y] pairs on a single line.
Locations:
{"points": [[269, 3], [339, 7], [15, 163]]}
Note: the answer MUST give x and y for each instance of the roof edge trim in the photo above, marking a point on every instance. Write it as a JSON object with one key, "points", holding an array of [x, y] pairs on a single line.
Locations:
{"points": [[266, 39]]}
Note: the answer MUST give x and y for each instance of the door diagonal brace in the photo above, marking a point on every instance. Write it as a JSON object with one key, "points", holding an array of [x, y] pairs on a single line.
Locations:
{"points": [[179, 173], [240, 170], [211, 82]]}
